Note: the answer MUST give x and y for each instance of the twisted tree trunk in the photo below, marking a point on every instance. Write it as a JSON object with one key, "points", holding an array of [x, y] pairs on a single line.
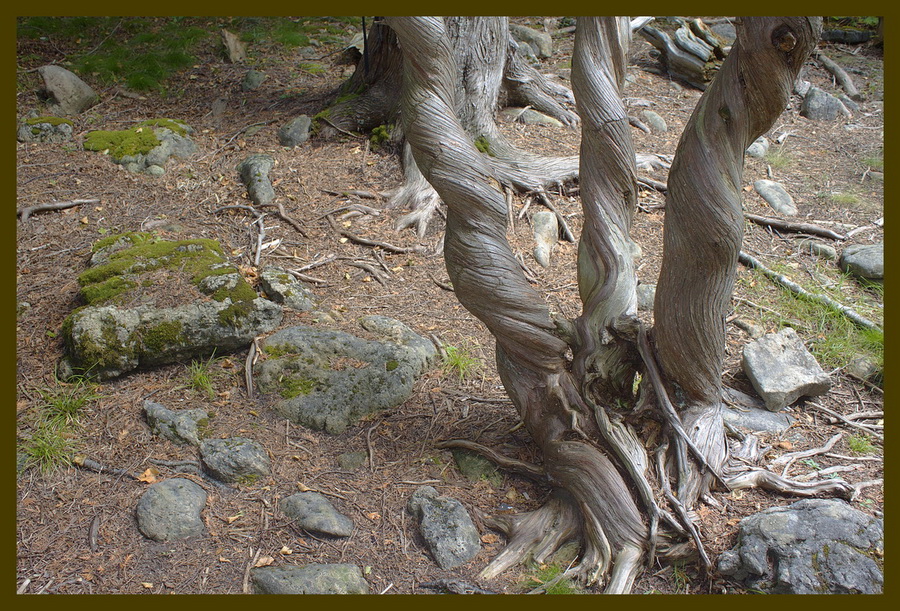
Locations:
{"points": [[606, 487]]}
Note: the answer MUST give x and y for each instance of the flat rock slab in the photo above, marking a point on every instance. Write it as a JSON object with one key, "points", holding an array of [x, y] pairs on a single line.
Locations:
{"points": [[445, 525], [155, 302], [170, 510], [235, 459], [815, 546], [178, 426], [309, 579], [328, 379], [782, 370], [775, 195], [313, 512], [864, 261]]}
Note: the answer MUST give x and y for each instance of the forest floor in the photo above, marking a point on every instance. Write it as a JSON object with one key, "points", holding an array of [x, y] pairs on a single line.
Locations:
{"points": [[76, 529]]}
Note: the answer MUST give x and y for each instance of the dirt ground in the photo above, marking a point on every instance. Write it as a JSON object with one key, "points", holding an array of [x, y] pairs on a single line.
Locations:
{"points": [[76, 529]]}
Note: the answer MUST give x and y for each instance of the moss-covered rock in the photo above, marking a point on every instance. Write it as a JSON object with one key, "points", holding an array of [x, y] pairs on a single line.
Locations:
{"points": [[150, 301], [145, 146], [328, 380]]}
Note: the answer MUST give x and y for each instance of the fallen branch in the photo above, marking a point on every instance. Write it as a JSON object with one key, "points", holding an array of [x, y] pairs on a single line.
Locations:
{"points": [[795, 288], [840, 76], [92, 465], [383, 245], [868, 428], [783, 225], [27, 212]]}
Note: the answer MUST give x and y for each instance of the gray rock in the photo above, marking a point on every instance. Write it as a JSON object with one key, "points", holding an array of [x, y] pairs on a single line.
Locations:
{"points": [[815, 546], [254, 171], [529, 116], [281, 287], [864, 260], [295, 131], [329, 379], [252, 80], [178, 426], [309, 579], [759, 148], [67, 94], [546, 235], [170, 510], [820, 105], [646, 296], [235, 459], [782, 370], [445, 525], [655, 121], [819, 249], [539, 41], [315, 513], [776, 196]]}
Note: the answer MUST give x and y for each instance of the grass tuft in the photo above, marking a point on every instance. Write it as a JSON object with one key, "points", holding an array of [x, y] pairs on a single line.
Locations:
{"points": [[459, 362]]}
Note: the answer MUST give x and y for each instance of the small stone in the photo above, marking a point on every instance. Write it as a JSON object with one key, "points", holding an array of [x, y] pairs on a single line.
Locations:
{"points": [[446, 527], [295, 132], [252, 80], [819, 249], [235, 459], [862, 368], [254, 171], [181, 426], [820, 105], [309, 579], [281, 287], [170, 510], [315, 513], [759, 148], [655, 121], [864, 261], [776, 197]]}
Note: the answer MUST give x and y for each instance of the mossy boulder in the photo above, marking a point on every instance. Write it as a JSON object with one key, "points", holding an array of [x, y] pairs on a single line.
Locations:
{"points": [[145, 147], [327, 380], [45, 129], [150, 301]]}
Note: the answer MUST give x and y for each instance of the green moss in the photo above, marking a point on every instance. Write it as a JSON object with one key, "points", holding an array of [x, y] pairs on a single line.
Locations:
{"points": [[391, 365], [295, 387], [124, 143], [107, 290], [170, 124], [48, 120], [380, 135], [233, 314], [483, 145], [279, 350], [163, 335]]}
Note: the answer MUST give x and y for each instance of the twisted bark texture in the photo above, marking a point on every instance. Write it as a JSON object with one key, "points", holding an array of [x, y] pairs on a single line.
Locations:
{"points": [[605, 493], [488, 68]]}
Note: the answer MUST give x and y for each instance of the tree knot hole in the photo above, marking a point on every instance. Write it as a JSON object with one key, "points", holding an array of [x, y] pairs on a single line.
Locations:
{"points": [[783, 39]]}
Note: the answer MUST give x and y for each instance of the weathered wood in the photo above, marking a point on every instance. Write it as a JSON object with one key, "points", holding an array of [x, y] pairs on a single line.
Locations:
{"points": [[840, 75], [692, 54]]}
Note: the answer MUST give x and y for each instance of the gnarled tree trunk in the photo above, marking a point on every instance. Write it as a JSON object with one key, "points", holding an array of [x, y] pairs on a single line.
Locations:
{"points": [[624, 497], [489, 69]]}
